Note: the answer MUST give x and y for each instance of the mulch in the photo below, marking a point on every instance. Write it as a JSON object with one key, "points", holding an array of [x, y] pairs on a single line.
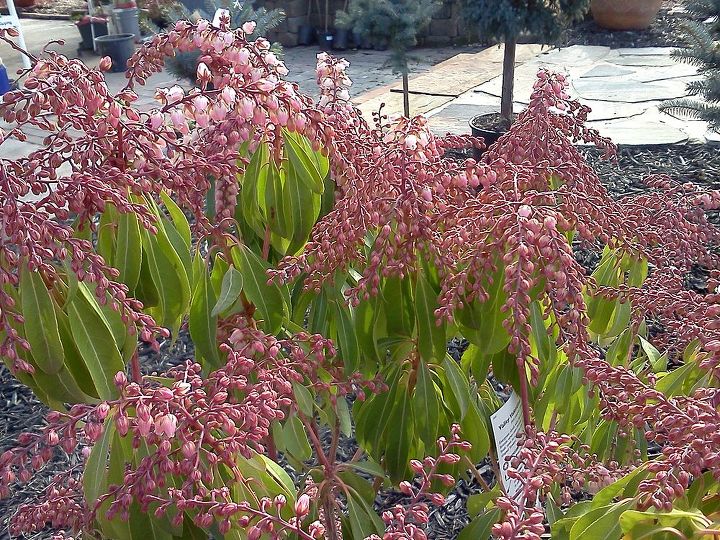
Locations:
{"points": [[20, 411]]}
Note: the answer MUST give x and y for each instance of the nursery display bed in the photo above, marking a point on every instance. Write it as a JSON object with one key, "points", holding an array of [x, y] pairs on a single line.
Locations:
{"points": [[20, 411]]}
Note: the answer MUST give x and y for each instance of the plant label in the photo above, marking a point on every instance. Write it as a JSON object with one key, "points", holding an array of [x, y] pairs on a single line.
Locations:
{"points": [[507, 422]]}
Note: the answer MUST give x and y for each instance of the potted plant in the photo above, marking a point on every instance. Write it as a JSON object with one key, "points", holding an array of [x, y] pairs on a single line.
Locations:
{"points": [[126, 18], [394, 22], [325, 38], [505, 21], [91, 27], [624, 15], [306, 32]]}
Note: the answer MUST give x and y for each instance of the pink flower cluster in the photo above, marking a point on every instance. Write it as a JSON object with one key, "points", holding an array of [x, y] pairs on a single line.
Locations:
{"points": [[195, 430], [408, 521]]}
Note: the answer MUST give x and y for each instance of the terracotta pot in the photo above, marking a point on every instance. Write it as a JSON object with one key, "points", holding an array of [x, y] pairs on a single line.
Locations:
{"points": [[625, 14], [24, 3]]}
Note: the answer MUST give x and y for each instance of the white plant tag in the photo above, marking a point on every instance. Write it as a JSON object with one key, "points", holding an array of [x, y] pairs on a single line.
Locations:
{"points": [[219, 15], [507, 422]]}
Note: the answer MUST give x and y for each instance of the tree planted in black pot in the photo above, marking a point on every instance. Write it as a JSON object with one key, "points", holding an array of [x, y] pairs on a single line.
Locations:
{"points": [[505, 21], [394, 22]]}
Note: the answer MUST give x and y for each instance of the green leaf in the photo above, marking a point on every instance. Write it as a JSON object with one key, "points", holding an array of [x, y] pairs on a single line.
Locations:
{"points": [[601, 523], [478, 502], [304, 399], [96, 466], [202, 322], [169, 277], [364, 521], [272, 301], [178, 218], [96, 344], [687, 520], [427, 405], [41, 326], [343, 412], [432, 343], [301, 207], [482, 322], [369, 467], [305, 164], [398, 306], [106, 234], [230, 289], [400, 435], [459, 386], [606, 495], [346, 338], [128, 254], [296, 441], [475, 431], [475, 362], [480, 527]]}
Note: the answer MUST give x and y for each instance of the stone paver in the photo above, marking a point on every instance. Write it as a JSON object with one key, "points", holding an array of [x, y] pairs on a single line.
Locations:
{"points": [[444, 82], [623, 87]]}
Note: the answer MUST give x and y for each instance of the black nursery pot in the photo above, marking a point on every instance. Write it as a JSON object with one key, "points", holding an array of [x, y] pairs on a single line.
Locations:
{"points": [[488, 126], [306, 34], [341, 39], [325, 39], [86, 33], [362, 42]]}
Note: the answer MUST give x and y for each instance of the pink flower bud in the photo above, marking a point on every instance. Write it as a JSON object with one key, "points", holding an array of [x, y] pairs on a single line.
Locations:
{"points": [[166, 425], [105, 63], [302, 506], [120, 379], [249, 27]]}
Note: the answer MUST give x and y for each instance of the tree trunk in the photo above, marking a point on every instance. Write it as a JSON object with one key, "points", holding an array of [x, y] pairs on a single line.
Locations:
{"points": [[508, 81], [406, 94]]}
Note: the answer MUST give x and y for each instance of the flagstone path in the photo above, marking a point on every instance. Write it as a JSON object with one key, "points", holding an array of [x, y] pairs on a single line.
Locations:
{"points": [[623, 88]]}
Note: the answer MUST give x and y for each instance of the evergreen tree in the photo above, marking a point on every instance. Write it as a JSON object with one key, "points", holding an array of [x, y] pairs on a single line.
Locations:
{"points": [[506, 20], [184, 64], [395, 22], [702, 33]]}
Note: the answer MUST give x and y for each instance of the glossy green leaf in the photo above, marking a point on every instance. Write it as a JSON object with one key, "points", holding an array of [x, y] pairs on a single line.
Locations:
{"points": [[432, 342], [400, 435], [398, 307], [480, 527], [305, 164], [169, 277], [482, 322], [343, 413], [458, 384], [178, 218], [475, 362], [305, 400], [346, 338], [272, 301], [296, 441], [230, 289], [128, 255], [426, 404], [602, 523], [202, 322], [96, 466], [74, 362], [301, 207], [41, 326], [368, 467], [106, 232], [475, 431], [96, 344]]}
